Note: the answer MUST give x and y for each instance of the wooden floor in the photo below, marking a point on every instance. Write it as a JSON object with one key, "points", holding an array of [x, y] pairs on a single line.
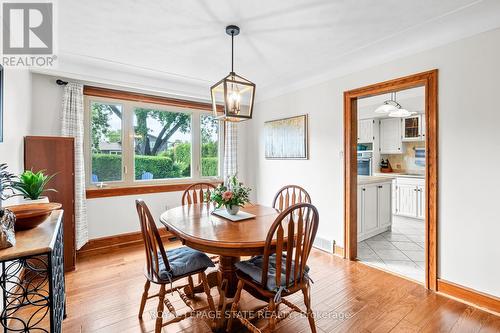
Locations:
{"points": [[103, 295]]}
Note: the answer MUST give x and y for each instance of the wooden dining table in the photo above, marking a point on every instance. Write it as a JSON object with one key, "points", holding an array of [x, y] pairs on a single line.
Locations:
{"points": [[197, 227]]}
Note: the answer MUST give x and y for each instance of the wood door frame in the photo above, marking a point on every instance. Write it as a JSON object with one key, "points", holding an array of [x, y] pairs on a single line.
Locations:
{"points": [[428, 80]]}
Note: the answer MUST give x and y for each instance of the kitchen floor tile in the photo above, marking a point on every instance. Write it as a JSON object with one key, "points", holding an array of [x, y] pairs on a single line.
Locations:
{"points": [[399, 250], [392, 255], [415, 255], [396, 237], [407, 246], [380, 245]]}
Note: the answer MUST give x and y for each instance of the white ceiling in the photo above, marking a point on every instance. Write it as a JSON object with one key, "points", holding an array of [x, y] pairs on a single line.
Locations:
{"points": [[283, 43]]}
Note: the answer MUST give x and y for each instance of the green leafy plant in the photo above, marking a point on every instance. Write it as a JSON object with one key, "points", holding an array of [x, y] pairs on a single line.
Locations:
{"points": [[32, 184], [234, 194], [6, 182]]}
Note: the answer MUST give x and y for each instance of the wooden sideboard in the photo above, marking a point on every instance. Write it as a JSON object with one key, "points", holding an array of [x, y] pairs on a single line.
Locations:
{"points": [[32, 279]]}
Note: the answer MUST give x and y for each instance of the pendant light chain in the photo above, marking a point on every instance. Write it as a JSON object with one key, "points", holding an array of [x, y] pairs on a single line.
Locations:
{"points": [[232, 51]]}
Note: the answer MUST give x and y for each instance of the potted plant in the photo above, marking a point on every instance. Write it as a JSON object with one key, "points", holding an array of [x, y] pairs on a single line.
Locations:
{"points": [[232, 196], [31, 185], [6, 183]]}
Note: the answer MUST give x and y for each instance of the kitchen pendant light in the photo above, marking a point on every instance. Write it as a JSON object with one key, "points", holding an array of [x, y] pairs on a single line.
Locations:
{"points": [[233, 96], [393, 108]]}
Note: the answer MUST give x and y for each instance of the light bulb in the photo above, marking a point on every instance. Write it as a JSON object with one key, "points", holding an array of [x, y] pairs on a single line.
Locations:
{"points": [[234, 101]]}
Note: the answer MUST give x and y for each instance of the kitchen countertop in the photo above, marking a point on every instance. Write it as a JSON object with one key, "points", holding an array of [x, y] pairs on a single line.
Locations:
{"points": [[398, 174], [365, 180]]}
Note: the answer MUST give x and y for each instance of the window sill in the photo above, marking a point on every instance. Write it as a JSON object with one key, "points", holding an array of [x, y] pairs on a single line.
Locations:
{"points": [[93, 193]]}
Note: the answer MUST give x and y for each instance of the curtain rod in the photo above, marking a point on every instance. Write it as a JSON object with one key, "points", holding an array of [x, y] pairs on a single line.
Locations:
{"points": [[61, 82]]}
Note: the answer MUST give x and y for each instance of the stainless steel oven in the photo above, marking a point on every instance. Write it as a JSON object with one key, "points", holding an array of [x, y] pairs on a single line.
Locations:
{"points": [[365, 159]]}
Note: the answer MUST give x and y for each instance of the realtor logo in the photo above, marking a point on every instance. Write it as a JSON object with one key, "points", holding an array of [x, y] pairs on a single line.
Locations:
{"points": [[27, 28]]}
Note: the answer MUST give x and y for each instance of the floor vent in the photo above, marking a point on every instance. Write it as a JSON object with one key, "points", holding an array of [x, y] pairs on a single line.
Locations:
{"points": [[324, 244]]}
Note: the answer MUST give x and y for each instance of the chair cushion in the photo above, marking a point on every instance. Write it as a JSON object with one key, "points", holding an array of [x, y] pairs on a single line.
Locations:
{"points": [[183, 260], [253, 268]]}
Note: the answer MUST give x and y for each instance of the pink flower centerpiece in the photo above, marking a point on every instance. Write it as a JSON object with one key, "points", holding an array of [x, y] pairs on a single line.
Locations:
{"points": [[232, 196]]}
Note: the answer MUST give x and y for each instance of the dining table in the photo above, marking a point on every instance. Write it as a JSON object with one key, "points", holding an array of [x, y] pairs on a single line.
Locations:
{"points": [[199, 228]]}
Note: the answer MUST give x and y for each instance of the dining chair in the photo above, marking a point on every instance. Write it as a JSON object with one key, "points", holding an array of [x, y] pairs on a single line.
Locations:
{"points": [[196, 193], [282, 270], [166, 267], [290, 195]]}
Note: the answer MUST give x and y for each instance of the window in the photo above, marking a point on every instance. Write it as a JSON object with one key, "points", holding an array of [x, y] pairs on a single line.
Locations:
{"points": [[134, 143], [106, 142], [162, 144], [209, 146]]}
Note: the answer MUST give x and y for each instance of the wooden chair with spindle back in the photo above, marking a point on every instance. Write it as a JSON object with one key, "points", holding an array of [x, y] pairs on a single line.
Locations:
{"points": [[290, 195], [282, 270], [159, 270], [196, 193]]}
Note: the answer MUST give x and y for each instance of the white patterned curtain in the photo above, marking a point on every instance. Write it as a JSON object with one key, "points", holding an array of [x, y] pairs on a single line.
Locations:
{"points": [[73, 126], [230, 150]]}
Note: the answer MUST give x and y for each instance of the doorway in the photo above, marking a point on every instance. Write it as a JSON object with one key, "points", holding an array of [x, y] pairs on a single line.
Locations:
{"points": [[427, 82]]}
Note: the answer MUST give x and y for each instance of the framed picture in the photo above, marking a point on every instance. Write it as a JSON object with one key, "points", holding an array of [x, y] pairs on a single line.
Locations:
{"points": [[1, 103], [286, 138]]}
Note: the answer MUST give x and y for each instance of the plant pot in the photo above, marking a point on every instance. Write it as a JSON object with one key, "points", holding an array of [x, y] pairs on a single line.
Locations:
{"points": [[233, 210], [29, 216], [27, 201]]}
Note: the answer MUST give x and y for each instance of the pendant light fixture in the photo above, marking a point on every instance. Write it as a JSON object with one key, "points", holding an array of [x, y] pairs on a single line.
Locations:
{"points": [[233, 96], [393, 108]]}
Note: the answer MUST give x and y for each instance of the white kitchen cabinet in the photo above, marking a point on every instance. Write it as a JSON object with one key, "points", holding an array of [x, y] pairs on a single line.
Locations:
{"points": [[421, 202], [384, 204], [409, 197], [370, 208], [413, 128], [365, 131], [390, 136], [374, 209]]}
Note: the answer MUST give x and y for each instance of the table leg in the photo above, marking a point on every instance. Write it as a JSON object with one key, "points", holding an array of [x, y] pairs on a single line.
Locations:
{"points": [[228, 270]]}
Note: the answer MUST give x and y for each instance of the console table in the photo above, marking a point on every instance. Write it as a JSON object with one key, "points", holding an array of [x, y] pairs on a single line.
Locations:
{"points": [[32, 279]]}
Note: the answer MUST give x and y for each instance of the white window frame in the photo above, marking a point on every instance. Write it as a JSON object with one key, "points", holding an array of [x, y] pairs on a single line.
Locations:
{"points": [[128, 167]]}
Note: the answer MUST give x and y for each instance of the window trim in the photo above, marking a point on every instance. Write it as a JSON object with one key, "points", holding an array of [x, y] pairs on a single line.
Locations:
{"points": [[129, 101]]}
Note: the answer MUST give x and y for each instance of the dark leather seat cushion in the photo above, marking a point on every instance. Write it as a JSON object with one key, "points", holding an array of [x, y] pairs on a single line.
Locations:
{"points": [[253, 268], [183, 260]]}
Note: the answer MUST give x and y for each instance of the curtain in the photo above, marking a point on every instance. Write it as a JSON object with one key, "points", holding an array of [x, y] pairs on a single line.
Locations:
{"points": [[230, 150], [73, 126]]}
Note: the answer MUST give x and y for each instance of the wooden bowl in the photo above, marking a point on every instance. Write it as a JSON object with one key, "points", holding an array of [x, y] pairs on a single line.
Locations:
{"points": [[29, 216]]}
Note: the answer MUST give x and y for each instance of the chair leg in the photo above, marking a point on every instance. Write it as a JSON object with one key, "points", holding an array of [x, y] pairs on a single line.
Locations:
{"points": [[306, 290], [206, 287], [144, 298], [234, 307], [274, 315], [159, 310]]}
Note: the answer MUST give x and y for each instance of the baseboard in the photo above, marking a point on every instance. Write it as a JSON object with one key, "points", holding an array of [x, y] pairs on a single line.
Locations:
{"points": [[338, 250], [105, 244], [469, 296]]}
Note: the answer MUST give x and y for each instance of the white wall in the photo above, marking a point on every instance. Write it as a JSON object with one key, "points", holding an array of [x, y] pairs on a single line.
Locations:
{"points": [[17, 120], [114, 215], [469, 227]]}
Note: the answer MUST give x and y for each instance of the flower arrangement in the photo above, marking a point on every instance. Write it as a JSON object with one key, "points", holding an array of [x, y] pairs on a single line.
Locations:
{"points": [[232, 196]]}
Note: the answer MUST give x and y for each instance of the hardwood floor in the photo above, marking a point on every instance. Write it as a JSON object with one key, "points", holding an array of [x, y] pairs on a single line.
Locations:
{"points": [[103, 295]]}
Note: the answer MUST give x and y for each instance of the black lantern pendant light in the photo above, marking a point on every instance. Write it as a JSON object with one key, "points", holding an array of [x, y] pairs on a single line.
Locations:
{"points": [[233, 96]]}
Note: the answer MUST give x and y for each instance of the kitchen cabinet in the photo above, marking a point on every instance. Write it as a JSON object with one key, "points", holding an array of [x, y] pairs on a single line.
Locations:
{"points": [[413, 128], [384, 205], [409, 197], [374, 209], [365, 131], [390, 136]]}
